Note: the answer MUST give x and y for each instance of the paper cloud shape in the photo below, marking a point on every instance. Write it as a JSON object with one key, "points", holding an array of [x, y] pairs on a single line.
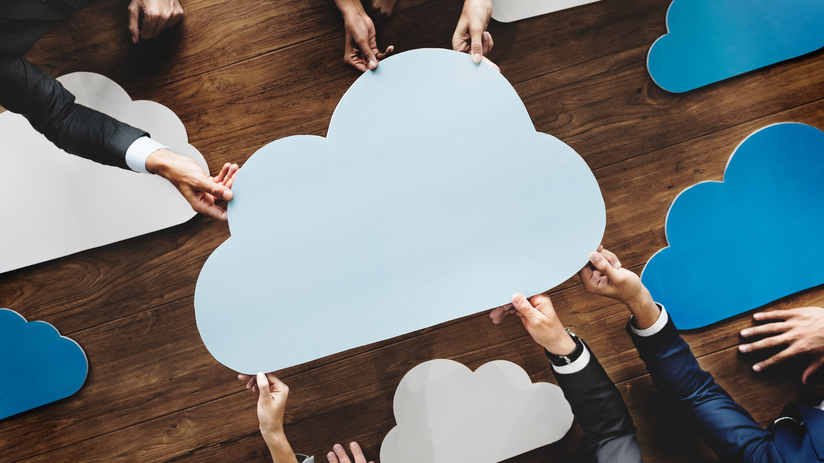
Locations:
{"points": [[432, 197], [712, 40], [507, 11], [446, 413], [62, 204], [30, 351], [741, 243]]}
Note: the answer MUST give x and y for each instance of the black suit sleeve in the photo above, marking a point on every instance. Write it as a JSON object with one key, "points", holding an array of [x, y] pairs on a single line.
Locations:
{"points": [[50, 108], [599, 408]]}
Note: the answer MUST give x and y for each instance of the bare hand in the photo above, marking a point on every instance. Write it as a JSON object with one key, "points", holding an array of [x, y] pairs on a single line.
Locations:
{"points": [[158, 16], [801, 330], [471, 35], [604, 276], [361, 51], [541, 322], [338, 454], [200, 190]]}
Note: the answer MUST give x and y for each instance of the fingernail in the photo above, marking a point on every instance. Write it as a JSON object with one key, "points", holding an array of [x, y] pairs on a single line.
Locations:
{"points": [[477, 58], [595, 257], [517, 298], [757, 367], [372, 64], [756, 316], [745, 333], [260, 376], [744, 348], [338, 447]]}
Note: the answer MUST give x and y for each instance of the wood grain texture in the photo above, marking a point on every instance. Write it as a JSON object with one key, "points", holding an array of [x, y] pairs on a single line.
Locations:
{"points": [[241, 74]]}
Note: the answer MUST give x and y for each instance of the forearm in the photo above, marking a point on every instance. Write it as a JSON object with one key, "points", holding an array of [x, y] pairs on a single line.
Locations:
{"points": [[600, 410], [52, 111], [279, 447], [724, 425]]}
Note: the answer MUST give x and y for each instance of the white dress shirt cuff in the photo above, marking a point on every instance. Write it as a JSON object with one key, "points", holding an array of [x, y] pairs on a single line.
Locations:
{"points": [[139, 151], [575, 366], [655, 328]]}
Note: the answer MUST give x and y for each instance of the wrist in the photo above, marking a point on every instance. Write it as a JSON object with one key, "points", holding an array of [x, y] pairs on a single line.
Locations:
{"points": [[644, 310], [564, 345], [159, 161]]}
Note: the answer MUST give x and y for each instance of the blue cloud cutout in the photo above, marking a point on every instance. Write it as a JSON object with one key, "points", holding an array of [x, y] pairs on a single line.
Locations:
{"points": [[30, 350], [431, 198], [712, 40], [747, 241]]}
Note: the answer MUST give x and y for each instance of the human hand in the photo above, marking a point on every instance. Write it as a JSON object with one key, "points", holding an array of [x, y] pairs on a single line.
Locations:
{"points": [[270, 409], [158, 15], [471, 35], [361, 51], [200, 190], [541, 322], [338, 454], [604, 276], [801, 330]]}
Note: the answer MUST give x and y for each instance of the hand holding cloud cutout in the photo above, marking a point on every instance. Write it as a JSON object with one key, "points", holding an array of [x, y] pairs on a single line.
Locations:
{"points": [[744, 242], [712, 40], [335, 245], [28, 350], [53, 213], [447, 413]]}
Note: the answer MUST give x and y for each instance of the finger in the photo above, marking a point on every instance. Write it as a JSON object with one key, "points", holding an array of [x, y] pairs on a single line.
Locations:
{"points": [[357, 453], [263, 384], [816, 363], [233, 171], [763, 344], [769, 328], [603, 265], [177, 15], [161, 23], [497, 315], [774, 315], [332, 457], [211, 210], [600, 248], [524, 307], [489, 62], [368, 55], [476, 35], [149, 24], [134, 21], [777, 358], [385, 54], [341, 454], [355, 63], [487, 42], [223, 172], [611, 257]]}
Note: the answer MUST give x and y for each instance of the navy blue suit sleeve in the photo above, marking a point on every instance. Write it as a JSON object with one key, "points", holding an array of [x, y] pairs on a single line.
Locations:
{"points": [[724, 425], [50, 108], [610, 435]]}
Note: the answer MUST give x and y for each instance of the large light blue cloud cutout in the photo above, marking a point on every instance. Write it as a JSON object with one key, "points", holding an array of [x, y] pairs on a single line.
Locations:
{"points": [[712, 40], [431, 198], [35, 350], [744, 242]]}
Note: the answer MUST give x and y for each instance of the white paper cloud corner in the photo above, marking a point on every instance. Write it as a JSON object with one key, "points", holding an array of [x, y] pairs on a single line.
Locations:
{"points": [[447, 413]]}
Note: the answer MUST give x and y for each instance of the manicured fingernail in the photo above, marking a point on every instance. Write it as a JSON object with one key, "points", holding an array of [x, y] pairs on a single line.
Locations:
{"points": [[757, 367], [477, 58]]}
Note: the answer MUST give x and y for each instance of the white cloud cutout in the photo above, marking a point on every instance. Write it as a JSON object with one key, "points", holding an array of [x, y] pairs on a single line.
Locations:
{"points": [[431, 198], [60, 204], [507, 11], [446, 413]]}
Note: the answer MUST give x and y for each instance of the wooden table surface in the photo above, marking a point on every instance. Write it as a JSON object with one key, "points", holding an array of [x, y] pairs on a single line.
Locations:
{"points": [[243, 73]]}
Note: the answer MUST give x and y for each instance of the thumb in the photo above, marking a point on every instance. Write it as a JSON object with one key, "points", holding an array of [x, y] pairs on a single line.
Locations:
{"points": [[134, 16], [523, 306], [602, 264], [477, 49], [263, 387], [368, 55]]}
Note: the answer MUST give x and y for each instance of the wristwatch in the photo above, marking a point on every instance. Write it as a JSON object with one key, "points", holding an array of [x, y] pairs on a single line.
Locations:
{"points": [[561, 360]]}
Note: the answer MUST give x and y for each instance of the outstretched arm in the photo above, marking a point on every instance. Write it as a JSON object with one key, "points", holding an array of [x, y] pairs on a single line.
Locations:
{"points": [[596, 403], [723, 424]]}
